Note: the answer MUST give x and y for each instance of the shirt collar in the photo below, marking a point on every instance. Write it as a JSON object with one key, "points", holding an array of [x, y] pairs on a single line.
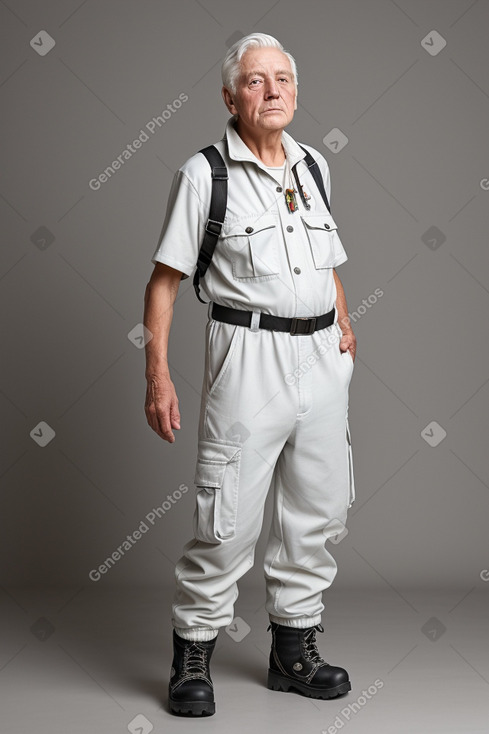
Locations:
{"points": [[239, 151]]}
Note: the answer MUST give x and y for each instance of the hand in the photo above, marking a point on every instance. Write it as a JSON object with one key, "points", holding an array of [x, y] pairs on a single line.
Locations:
{"points": [[349, 342], [161, 406]]}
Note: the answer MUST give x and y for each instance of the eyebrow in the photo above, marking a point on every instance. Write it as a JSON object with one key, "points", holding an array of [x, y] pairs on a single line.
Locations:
{"points": [[260, 73]]}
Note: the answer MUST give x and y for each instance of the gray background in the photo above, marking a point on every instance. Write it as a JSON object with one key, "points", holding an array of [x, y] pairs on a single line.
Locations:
{"points": [[416, 159]]}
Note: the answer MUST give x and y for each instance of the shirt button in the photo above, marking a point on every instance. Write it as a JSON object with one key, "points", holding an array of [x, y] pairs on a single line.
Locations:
{"points": [[297, 270], [290, 228], [249, 230], [327, 225], [279, 189]]}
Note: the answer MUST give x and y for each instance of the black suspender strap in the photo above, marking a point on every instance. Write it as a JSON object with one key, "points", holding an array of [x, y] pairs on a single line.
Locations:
{"points": [[316, 174], [217, 213], [218, 205]]}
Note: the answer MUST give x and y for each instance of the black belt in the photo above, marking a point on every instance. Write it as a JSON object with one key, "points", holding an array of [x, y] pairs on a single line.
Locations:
{"points": [[296, 325]]}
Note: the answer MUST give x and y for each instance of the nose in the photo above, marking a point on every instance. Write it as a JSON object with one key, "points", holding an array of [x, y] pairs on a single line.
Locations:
{"points": [[271, 89]]}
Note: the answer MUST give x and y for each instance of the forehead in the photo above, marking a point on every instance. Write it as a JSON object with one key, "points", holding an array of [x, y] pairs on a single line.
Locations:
{"points": [[267, 59]]}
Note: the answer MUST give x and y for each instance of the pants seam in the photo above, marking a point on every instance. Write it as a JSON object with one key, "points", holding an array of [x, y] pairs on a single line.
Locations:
{"points": [[280, 522]]}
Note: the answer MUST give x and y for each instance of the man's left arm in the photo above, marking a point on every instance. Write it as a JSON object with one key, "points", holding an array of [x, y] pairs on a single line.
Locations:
{"points": [[348, 340]]}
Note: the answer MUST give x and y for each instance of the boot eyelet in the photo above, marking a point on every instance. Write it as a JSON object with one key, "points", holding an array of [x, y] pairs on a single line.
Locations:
{"points": [[297, 666]]}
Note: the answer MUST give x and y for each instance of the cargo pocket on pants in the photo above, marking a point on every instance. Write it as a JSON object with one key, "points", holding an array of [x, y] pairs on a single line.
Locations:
{"points": [[216, 480], [351, 477]]}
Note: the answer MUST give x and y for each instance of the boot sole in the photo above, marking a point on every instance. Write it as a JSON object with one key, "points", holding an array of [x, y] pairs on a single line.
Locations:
{"points": [[192, 708], [277, 682]]}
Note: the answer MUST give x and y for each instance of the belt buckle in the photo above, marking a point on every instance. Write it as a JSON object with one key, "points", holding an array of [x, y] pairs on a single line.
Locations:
{"points": [[310, 328]]}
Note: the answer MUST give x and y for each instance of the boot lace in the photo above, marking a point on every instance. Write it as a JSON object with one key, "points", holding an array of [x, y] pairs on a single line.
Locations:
{"points": [[309, 645], [195, 661]]}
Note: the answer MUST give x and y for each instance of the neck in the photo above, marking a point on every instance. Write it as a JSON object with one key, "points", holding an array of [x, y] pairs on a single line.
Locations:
{"points": [[266, 145]]}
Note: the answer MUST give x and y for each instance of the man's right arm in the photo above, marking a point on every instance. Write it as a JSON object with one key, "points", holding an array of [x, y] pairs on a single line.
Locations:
{"points": [[161, 404]]}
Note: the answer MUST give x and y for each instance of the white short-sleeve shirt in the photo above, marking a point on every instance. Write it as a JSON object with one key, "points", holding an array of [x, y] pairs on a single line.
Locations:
{"points": [[266, 259]]}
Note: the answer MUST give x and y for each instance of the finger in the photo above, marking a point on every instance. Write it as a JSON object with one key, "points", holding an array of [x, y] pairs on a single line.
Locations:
{"points": [[151, 416], [164, 424], [175, 415], [153, 422]]}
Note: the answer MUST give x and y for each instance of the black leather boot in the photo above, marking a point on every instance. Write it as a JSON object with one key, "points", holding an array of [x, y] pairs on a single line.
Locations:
{"points": [[295, 664], [191, 691]]}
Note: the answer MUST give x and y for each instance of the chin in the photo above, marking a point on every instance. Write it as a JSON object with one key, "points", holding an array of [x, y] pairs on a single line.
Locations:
{"points": [[280, 124], [276, 120]]}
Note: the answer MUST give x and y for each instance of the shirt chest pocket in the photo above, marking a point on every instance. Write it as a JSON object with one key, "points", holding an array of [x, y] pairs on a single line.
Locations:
{"points": [[251, 246], [324, 241]]}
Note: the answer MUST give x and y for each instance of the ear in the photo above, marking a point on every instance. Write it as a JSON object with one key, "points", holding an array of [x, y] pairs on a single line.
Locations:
{"points": [[295, 100], [229, 100]]}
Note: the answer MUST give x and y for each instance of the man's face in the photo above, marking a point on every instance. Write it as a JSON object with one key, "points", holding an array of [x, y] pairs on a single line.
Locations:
{"points": [[265, 96]]}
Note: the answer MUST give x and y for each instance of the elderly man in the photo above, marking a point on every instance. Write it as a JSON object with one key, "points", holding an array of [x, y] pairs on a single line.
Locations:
{"points": [[278, 363]]}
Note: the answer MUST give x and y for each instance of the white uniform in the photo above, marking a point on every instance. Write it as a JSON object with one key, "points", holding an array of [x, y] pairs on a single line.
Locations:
{"points": [[274, 408]]}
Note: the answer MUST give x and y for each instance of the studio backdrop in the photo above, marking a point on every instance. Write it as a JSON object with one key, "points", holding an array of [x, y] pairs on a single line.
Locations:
{"points": [[101, 104]]}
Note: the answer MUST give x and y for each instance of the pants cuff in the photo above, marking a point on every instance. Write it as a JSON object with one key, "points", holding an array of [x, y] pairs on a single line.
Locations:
{"points": [[200, 634], [297, 622]]}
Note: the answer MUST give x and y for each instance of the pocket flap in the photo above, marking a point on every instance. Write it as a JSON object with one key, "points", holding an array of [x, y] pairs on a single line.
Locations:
{"points": [[319, 221], [248, 226], [213, 457]]}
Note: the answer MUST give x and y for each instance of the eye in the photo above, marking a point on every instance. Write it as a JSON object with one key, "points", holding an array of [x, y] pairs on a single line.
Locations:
{"points": [[255, 81]]}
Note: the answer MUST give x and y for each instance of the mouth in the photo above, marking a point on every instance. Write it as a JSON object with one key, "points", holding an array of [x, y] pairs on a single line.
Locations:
{"points": [[272, 109]]}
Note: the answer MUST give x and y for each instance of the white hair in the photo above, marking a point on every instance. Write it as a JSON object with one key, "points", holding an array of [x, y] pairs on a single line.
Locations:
{"points": [[231, 65]]}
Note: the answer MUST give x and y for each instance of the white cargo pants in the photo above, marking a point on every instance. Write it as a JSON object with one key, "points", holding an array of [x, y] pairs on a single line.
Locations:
{"points": [[274, 410]]}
